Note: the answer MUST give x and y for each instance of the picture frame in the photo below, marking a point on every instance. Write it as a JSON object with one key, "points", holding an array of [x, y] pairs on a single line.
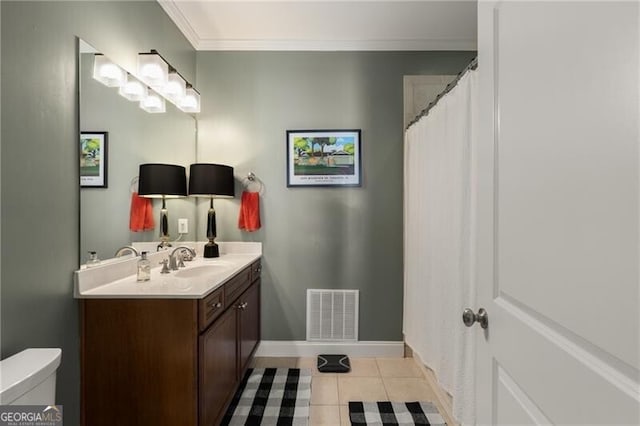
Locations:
{"points": [[324, 158], [93, 159]]}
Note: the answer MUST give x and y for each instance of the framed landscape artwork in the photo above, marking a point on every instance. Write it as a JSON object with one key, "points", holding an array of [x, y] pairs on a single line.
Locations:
{"points": [[93, 159], [323, 158]]}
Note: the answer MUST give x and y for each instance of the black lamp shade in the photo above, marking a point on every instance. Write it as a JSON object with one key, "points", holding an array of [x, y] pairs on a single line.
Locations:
{"points": [[211, 180], [157, 180]]}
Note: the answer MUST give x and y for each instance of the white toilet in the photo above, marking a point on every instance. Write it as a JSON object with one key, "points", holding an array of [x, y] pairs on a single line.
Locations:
{"points": [[29, 377]]}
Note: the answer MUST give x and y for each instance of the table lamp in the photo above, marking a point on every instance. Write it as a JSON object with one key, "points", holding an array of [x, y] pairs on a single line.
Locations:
{"points": [[213, 181], [162, 181]]}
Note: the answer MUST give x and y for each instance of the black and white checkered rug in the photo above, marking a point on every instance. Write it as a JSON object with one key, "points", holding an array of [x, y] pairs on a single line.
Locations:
{"points": [[387, 413], [271, 396]]}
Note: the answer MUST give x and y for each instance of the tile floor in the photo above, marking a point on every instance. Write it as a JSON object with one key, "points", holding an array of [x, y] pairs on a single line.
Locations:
{"points": [[370, 379]]}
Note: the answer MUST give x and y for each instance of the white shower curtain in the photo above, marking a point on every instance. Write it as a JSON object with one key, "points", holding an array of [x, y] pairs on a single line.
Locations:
{"points": [[439, 242]]}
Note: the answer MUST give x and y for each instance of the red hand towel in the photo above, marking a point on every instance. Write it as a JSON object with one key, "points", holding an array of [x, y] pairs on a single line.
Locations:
{"points": [[249, 218], [141, 215]]}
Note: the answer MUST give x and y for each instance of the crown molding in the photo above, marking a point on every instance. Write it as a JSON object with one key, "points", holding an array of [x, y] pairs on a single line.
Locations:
{"points": [[335, 45], [176, 15], [172, 9]]}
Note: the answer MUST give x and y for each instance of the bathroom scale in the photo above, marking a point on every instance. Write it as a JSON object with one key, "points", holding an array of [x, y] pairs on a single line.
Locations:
{"points": [[333, 364]]}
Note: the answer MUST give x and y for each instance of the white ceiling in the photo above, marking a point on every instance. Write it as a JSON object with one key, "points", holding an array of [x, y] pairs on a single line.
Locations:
{"points": [[325, 25]]}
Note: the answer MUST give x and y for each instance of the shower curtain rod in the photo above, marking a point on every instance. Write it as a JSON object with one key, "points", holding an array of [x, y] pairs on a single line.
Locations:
{"points": [[472, 66]]}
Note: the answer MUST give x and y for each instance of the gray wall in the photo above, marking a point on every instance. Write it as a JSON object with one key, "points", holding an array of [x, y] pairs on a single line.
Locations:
{"points": [[39, 169], [135, 137], [316, 237]]}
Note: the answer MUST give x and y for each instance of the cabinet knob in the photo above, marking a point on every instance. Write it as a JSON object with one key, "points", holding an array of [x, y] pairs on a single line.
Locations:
{"points": [[259, 269], [243, 306], [215, 305]]}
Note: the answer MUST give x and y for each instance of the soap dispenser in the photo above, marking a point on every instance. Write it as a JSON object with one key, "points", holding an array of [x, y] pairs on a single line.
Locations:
{"points": [[144, 268]]}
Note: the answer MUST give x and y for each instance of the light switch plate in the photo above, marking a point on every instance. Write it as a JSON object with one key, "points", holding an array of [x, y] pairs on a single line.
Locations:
{"points": [[183, 226]]}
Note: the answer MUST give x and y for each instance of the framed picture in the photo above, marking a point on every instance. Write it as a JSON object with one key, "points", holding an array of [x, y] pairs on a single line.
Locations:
{"points": [[323, 158], [93, 159]]}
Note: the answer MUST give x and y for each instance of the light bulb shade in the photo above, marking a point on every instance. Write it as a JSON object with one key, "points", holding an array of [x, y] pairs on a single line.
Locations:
{"points": [[152, 69], [133, 89], [153, 103], [176, 87], [106, 72], [190, 102], [211, 180], [162, 181]]}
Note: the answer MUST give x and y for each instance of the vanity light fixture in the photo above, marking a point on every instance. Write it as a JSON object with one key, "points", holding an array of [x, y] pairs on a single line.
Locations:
{"points": [[155, 81], [213, 181], [106, 72], [191, 100], [133, 89], [153, 102], [162, 181], [153, 69]]}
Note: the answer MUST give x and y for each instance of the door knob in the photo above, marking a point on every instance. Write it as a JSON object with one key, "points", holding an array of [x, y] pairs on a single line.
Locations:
{"points": [[469, 317]]}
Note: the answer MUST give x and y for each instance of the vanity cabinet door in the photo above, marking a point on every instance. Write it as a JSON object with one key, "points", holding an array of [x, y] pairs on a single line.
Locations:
{"points": [[218, 355], [139, 362], [248, 308]]}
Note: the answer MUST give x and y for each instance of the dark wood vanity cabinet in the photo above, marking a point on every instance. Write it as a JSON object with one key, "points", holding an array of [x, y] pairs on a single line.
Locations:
{"points": [[226, 350], [218, 368], [248, 326], [168, 361]]}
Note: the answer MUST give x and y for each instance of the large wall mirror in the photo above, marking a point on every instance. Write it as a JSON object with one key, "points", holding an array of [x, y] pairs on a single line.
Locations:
{"points": [[134, 136]]}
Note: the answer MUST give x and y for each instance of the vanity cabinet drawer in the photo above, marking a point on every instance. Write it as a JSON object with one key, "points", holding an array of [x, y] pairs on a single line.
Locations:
{"points": [[211, 307], [256, 269], [237, 285]]}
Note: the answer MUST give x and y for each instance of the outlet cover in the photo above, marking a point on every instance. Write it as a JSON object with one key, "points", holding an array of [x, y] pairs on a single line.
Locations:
{"points": [[183, 226]]}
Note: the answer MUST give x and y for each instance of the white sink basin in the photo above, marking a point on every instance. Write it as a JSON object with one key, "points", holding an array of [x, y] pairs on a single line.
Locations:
{"points": [[201, 271]]}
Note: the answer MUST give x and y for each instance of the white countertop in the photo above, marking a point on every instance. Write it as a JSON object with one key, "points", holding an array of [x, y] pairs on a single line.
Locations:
{"points": [[115, 281]]}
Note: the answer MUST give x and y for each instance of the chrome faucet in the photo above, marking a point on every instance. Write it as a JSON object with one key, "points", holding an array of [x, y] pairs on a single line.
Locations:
{"points": [[122, 250], [174, 264]]}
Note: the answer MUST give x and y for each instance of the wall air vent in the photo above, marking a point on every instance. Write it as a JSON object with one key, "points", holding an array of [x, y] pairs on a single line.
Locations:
{"points": [[332, 315]]}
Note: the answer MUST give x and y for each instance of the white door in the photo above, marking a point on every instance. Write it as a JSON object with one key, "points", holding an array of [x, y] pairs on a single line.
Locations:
{"points": [[558, 195]]}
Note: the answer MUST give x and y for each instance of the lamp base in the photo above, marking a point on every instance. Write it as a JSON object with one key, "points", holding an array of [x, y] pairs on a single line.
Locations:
{"points": [[164, 243], [211, 250]]}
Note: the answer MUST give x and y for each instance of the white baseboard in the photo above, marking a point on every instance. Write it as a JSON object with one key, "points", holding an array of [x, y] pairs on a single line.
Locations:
{"points": [[302, 348]]}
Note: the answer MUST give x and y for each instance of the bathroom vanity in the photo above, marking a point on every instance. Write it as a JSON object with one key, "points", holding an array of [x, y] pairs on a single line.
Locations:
{"points": [[173, 351]]}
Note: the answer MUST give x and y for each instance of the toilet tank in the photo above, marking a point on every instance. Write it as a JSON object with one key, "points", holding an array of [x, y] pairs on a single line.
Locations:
{"points": [[29, 377]]}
